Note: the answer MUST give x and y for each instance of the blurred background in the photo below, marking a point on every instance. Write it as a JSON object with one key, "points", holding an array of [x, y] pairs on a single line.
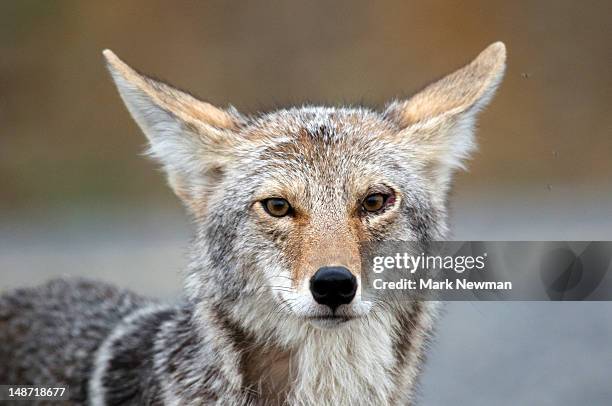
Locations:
{"points": [[76, 197]]}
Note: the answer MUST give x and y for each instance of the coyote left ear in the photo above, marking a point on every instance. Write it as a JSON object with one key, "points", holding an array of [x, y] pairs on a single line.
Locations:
{"points": [[438, 121], [190, 138]]}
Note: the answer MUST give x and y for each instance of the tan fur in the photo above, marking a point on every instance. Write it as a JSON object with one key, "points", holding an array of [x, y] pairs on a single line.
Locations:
{"points": [[185, 106], [325, 243], [455, 92], [269, 371]]}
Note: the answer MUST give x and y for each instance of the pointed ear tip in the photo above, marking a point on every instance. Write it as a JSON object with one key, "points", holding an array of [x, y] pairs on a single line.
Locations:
{"points": [[109, 55], [496, 50], [113, 61]]}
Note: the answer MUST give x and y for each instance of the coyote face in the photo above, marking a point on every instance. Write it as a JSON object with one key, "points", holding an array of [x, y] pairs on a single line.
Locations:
{"points": [[310, 186], [283, 201]]}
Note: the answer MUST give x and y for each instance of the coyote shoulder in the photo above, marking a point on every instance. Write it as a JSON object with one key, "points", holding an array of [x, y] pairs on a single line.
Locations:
{"points": [[272, 311]]}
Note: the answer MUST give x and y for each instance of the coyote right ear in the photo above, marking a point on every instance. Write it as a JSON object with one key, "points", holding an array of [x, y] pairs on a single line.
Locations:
{"points": [[192, 139], [438, 121]]}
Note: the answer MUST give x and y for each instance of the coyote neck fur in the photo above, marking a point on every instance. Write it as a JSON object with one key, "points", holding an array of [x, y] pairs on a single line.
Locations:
{"points": [[207, 350]]}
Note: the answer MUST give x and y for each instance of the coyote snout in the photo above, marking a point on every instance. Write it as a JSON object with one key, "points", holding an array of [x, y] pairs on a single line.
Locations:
{"points": [[319, 251]]}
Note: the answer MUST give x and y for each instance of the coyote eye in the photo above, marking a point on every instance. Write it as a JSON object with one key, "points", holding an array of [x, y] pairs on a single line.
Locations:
{"points": [[276, 207], [374, 202]]}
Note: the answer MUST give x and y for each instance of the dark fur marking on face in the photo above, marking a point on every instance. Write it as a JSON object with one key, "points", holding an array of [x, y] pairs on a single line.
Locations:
{"points": [[322, 132]]}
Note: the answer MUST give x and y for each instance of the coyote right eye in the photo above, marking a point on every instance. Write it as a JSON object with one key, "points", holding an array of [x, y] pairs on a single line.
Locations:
{"points": [[276, 207]]}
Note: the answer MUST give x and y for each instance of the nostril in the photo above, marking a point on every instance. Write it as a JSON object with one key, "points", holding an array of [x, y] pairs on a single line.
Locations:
{"points": [[333, 286], [319, 287], [348, 287]]}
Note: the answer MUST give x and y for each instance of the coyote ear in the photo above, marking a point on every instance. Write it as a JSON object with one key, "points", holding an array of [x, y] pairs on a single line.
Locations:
{"points": [[192, 139], [438, 121]]}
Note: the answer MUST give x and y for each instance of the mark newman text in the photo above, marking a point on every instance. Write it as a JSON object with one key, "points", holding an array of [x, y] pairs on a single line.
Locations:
{"points": [[447, 284]]}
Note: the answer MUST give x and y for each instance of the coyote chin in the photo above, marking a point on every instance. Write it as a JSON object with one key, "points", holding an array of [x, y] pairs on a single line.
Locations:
{"points": [[272, 311]]}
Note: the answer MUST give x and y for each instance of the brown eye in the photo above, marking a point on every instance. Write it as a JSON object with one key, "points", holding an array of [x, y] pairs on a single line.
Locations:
{"points": [[374, 202], [276, 207]]}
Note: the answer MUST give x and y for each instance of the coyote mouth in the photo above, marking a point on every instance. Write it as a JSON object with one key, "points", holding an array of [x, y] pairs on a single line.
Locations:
{"points": [[329, 322], [336, 318]]}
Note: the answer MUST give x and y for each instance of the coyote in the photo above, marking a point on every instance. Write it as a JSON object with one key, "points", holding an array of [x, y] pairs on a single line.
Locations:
{"points": [[272, 310]]}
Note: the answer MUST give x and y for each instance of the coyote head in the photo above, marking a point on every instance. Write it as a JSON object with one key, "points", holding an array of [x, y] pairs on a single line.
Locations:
{"points": [[282, 201]]}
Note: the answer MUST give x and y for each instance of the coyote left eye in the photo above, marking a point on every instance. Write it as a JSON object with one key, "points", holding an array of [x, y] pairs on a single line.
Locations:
{"points": [[276, 207], [374, 202]]}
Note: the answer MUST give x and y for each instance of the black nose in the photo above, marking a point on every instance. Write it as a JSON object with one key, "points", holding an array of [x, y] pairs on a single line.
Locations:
{"points": [[333, 286]]}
